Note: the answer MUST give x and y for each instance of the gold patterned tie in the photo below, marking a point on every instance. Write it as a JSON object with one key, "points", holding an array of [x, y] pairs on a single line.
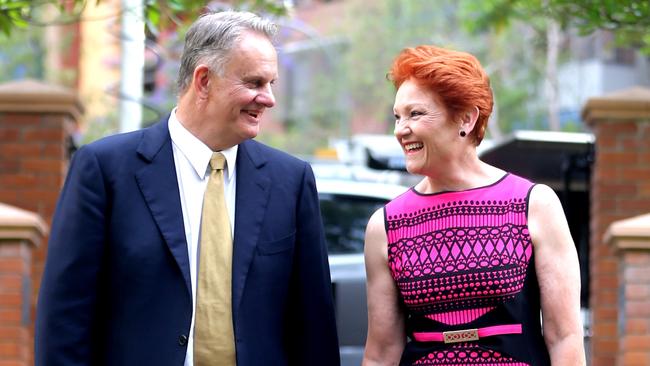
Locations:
{"points": [[213, 329]]}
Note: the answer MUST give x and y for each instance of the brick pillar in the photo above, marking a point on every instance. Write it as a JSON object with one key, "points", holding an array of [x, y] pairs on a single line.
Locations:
{"points": [[20, 232], [37, 122], [631, 239], [620, 189]]}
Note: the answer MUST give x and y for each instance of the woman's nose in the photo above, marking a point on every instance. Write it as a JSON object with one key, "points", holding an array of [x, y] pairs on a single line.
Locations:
{"points": [[401, 129]]}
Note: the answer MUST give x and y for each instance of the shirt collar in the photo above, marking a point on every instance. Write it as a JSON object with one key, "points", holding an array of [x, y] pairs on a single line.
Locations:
{"points": [[195, 151]]}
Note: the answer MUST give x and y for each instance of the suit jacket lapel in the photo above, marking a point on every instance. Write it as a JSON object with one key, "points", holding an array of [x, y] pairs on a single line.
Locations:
{"points": [[253, 187], [159, 187]]}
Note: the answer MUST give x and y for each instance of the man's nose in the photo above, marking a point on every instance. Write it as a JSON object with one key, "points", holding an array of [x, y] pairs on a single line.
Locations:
{"points": [[266, 97]]}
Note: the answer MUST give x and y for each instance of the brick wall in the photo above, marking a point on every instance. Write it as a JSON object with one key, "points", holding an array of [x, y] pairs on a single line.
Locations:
{"points": [[620, 189], [36, 124], [631, 239], [20, 232]]}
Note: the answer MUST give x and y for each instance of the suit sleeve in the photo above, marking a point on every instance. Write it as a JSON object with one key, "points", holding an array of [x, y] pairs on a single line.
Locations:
{"points": [[65, 316], [314, 325]]}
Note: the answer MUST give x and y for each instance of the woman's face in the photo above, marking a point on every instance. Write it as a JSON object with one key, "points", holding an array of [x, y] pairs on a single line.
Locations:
{"points": [[422, 128]]}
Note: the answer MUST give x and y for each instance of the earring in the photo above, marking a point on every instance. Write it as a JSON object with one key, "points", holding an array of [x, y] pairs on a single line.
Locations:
{"points": [[462, 133]]}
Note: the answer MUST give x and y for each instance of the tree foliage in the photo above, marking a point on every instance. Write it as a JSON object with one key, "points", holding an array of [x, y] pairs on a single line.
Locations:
{"points": [[22, 13], [629, 20]]}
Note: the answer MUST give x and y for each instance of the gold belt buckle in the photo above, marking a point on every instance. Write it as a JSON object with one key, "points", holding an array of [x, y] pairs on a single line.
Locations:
{"points": [[464, 335]]}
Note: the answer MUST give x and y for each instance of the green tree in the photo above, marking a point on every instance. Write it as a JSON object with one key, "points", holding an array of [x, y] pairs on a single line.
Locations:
{"points": [[22, 13], [629, 20]]}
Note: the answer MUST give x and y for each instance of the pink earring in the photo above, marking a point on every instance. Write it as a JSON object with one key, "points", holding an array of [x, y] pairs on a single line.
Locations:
{"points": [[462, 133]]}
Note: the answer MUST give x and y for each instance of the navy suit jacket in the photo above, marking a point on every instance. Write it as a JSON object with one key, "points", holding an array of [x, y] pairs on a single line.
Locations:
{"points": [[116, 285]]}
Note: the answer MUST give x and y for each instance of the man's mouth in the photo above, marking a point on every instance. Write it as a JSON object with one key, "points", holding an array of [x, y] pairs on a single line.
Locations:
{"points": [[254, 114]]}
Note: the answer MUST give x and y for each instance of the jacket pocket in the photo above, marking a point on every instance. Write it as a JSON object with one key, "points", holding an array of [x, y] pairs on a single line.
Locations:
{"points": [[276, 246]]}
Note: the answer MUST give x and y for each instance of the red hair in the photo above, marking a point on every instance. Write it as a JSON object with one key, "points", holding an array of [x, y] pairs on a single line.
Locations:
{"points": [[456, 77]]}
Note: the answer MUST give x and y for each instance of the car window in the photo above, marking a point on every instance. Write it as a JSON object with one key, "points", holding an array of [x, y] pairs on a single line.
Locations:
{"points": [[345, 218]]}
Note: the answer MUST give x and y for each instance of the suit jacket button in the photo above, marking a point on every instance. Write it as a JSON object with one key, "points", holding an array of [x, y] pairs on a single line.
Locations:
{"points": [[182, 340]]}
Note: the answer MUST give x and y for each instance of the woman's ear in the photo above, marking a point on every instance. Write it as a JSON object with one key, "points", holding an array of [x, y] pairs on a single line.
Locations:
{"points": [[468, 120]]}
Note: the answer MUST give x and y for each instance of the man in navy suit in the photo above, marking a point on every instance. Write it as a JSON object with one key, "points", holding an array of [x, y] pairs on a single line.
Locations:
{"points": [[120, 279]]}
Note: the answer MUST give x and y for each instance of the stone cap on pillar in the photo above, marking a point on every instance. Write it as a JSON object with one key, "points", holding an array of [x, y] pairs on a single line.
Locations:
{"points": [[19, 224], [632, 103], [27, 96], [632, 233]]}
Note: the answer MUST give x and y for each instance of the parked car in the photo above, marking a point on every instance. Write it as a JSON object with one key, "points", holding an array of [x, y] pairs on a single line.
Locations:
{"points": [[346, 206]]}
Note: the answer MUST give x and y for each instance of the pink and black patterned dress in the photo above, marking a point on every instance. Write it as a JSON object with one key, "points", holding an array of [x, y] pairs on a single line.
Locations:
{"points": [[464, 266]]}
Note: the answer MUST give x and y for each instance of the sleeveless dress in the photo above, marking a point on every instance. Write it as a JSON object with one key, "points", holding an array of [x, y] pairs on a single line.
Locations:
{"points": [[464, 267]]}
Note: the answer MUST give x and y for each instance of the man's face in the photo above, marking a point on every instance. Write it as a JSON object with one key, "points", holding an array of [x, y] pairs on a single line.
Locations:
{"points": [[239, 97]]}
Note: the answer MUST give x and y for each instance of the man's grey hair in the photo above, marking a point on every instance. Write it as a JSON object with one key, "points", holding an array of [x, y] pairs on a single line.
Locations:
{"points": [[211, 38]]}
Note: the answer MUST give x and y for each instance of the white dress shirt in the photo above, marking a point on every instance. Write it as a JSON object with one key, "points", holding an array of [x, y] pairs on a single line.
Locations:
{"points": [[192, 160]]}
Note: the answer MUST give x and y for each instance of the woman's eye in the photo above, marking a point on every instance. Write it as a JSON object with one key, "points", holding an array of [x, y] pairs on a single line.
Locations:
{"points": [[416, 113]]}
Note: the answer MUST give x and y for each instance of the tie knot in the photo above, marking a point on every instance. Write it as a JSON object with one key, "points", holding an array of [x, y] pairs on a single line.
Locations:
{"points": [[217, 161]]}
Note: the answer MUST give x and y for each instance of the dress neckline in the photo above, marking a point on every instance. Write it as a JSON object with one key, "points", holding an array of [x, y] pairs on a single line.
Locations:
{"points": [[502, 178]]}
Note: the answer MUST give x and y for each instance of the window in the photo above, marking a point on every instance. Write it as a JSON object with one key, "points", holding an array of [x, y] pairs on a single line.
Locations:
{"points": [[345, 218]]}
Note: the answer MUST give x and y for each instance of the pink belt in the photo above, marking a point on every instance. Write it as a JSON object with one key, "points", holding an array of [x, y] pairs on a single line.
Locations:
{"points": [[466, 335]]}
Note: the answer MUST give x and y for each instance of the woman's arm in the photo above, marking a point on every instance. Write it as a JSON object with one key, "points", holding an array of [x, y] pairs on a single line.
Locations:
{"points": [[386, 328], [558, 271]]}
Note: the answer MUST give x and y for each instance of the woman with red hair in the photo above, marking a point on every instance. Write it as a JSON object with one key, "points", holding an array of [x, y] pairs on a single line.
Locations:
{"points": [[464, 262]]}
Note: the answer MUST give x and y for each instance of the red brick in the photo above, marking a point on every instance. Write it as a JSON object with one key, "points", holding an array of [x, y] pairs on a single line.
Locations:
{"points": [[9, 350], [44, 135], [637, 326], [20, 151], [616, 158], [605, 281], [636, 343], [608, 265], [14, 332], [604, 328], [9, 134], [53, 151], [632, 207], [606, 174], [606, 297], [605, 313], [636, 358], [9, 301], [39, 197], [13, 363], [619, 128], [10, 317], [634, 258], [20, 119], [599, 360], [617, 189], [643, 189], [605, 347], [635, 174], [644, 156], [13, 265], [54, 120], [43, 166], [638, 274], [9, 165], [637, 309], [631, 143], [637, 292], [607, 142], [10, 282], [15, 180]]}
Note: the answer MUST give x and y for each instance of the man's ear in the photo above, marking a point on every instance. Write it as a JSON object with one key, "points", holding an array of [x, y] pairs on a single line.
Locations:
{"points": [[468, 120], [201, 81]]}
